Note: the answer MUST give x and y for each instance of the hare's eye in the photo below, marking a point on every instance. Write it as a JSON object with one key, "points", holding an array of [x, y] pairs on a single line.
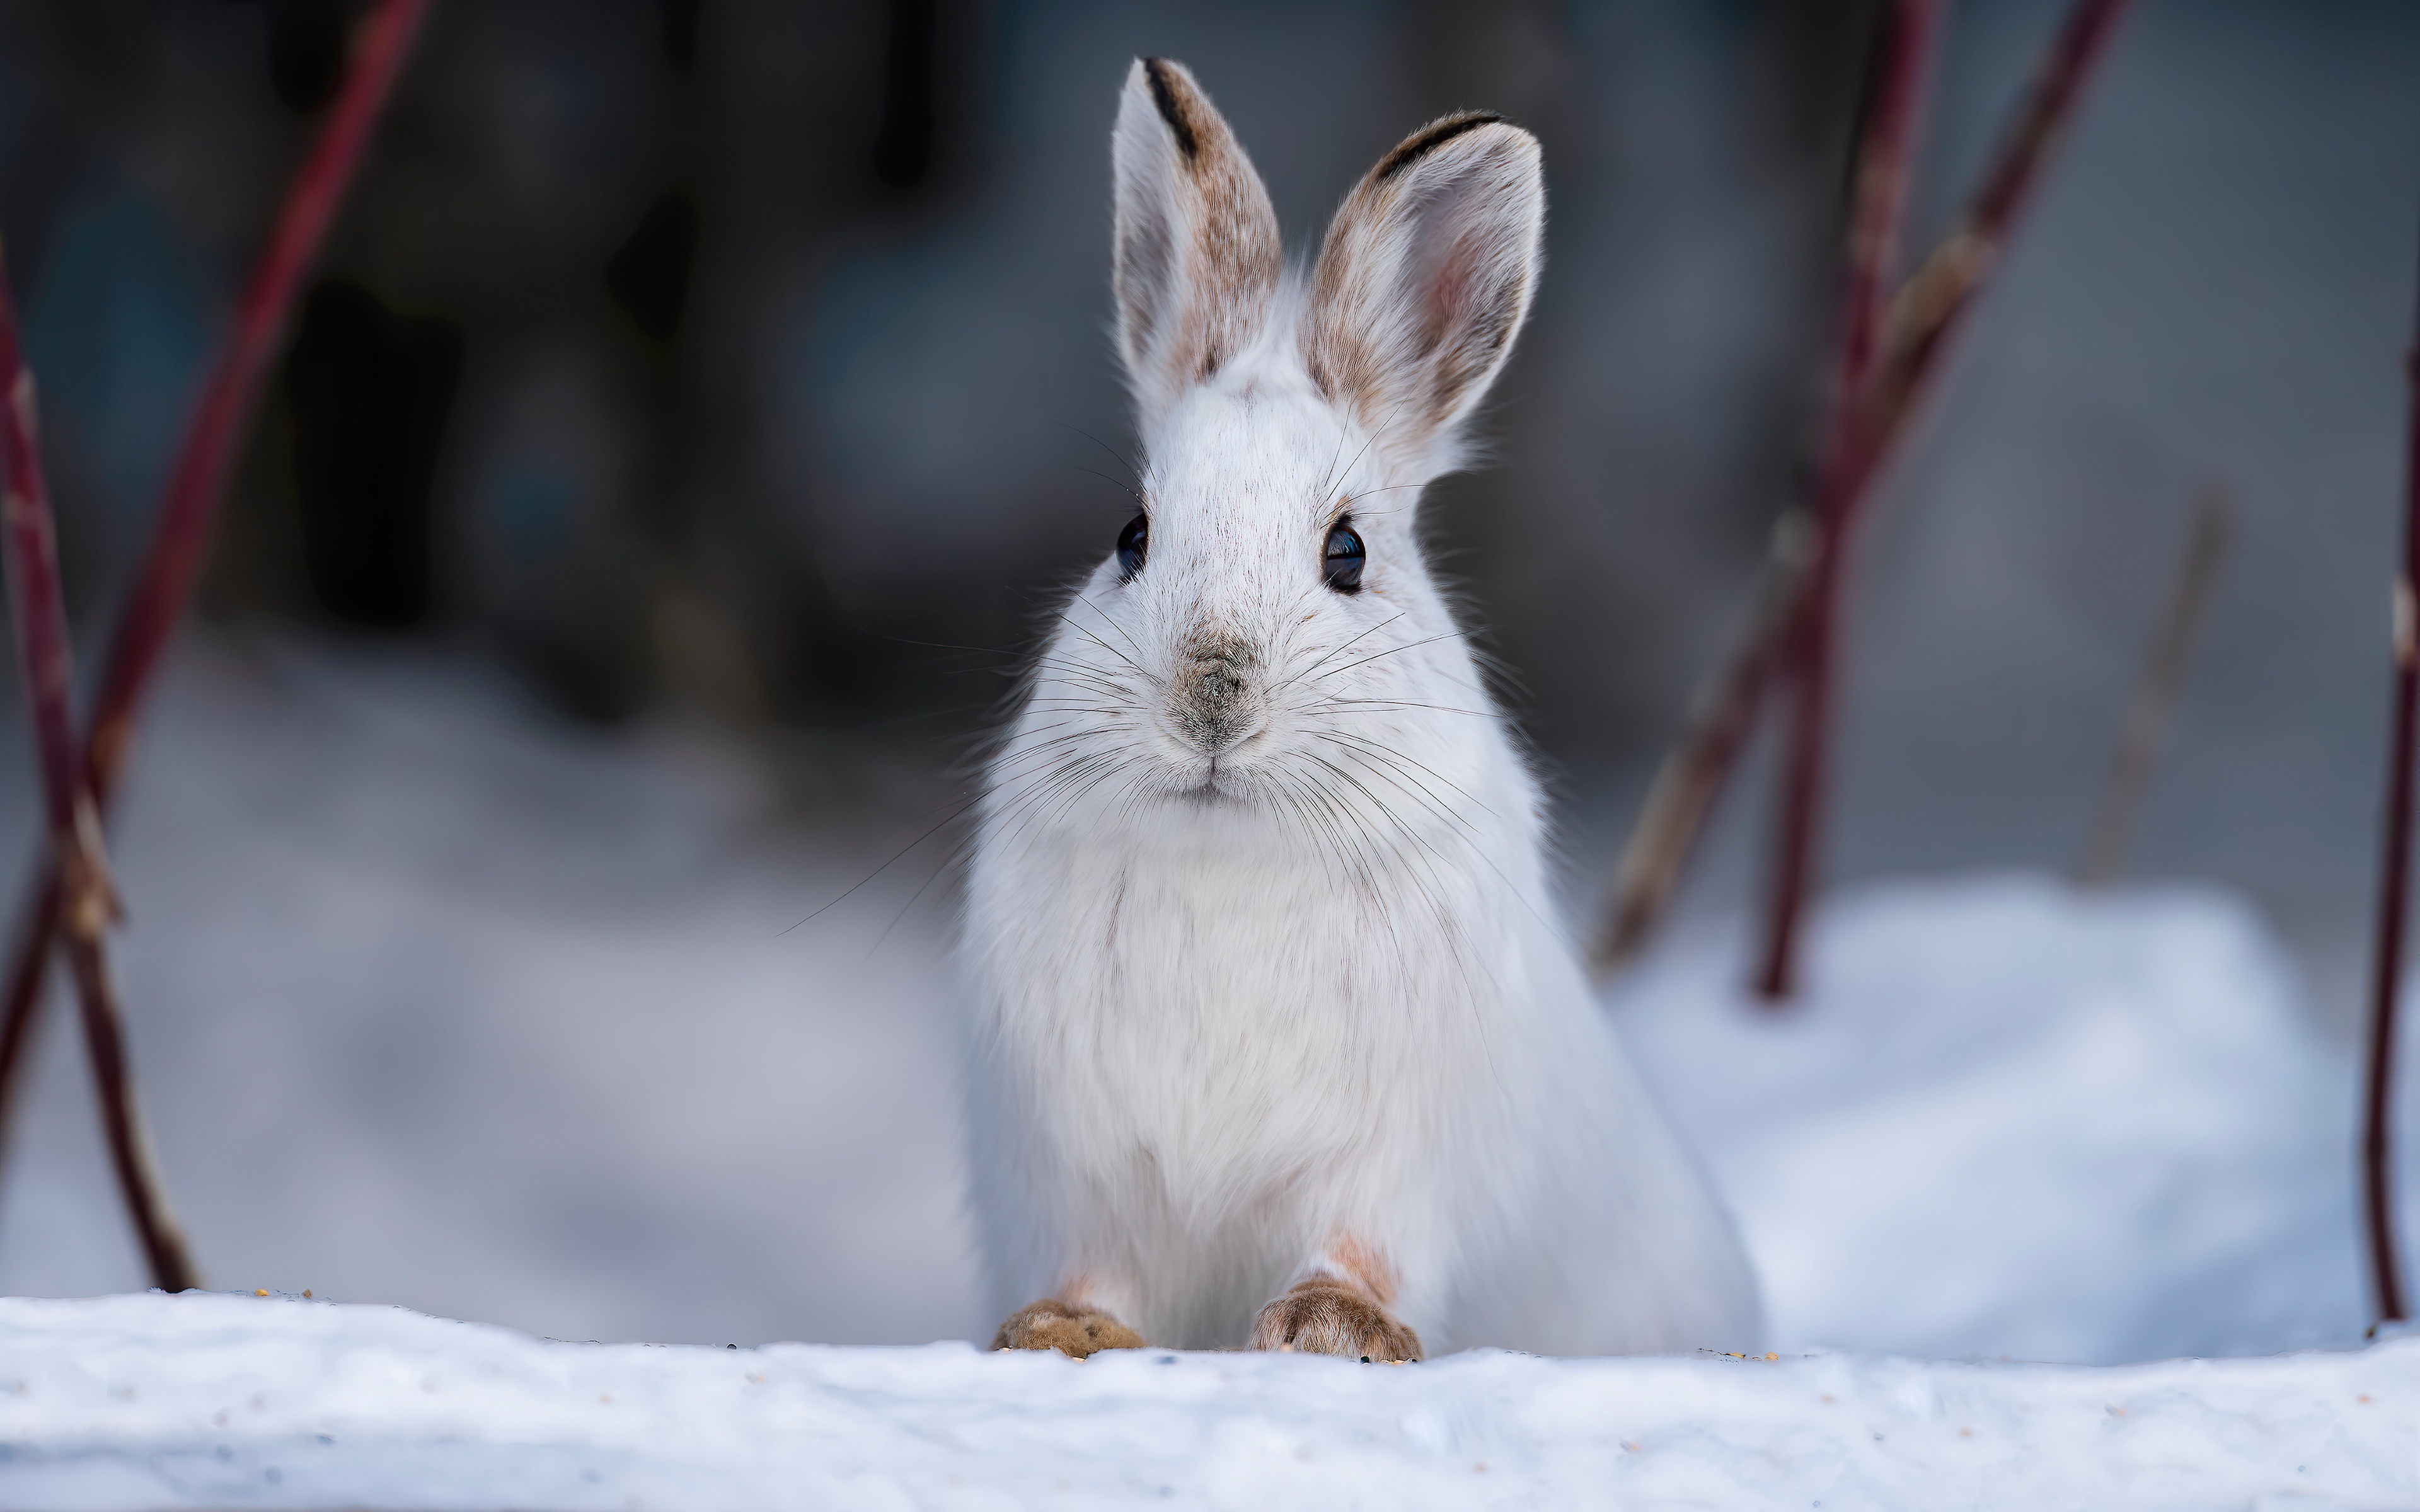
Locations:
{"points": [[1344, 559], [1133, 543]]}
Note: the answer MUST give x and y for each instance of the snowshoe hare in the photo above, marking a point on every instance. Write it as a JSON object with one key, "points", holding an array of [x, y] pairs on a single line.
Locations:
{"points": [[1276, 1039]]}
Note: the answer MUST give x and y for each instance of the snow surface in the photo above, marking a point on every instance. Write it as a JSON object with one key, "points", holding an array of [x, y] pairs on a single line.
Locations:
{"points": [[216, 1400], [2016, 1119], [438, 1003], [438, 1000]]}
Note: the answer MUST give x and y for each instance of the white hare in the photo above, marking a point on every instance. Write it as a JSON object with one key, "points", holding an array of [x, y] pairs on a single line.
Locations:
{"points": [[1276, 1039]]}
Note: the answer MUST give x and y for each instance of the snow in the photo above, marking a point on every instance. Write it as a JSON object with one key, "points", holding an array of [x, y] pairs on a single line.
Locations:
{"points": [[2014, 1119], [440, 1004], [2010, 1118], [438, 1000], [222, 1400]]}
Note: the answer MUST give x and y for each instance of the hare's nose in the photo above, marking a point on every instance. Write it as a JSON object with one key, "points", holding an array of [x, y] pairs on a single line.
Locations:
{"points": [[1217, 684], [1213, 696]]}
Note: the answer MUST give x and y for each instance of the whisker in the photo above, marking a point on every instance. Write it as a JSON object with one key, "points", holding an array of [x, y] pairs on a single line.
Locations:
{"points": [[1110, 649], [1333, 650], [1106, 447], [887, 865], [1106, 478], [1388, 651], [1345, 705]]}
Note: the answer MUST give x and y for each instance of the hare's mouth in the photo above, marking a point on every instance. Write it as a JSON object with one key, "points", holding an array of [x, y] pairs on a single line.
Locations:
{"points": [[1209, 782], [1198, 748], [1216, 771], [1214, 786]]}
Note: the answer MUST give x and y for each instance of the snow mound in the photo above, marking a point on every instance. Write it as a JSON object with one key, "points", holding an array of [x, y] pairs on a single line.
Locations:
{"points": [[218, 1400], [2012, 1118]]}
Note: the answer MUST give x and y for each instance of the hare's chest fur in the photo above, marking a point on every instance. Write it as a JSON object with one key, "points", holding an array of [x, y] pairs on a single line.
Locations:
{"points": [[1229, 1019]]}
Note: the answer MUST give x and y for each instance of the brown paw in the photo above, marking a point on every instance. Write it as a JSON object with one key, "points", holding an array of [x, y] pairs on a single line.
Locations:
{"points": [[1323, 1316], [1051, 1324]]}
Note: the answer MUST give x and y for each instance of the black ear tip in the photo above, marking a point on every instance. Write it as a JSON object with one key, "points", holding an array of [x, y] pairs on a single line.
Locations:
{"points": [[1436, 134], [1170, 88]]}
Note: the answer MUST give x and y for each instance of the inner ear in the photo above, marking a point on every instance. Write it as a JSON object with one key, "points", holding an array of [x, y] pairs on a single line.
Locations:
{"points": [[1425, 277], [1197, 257]]}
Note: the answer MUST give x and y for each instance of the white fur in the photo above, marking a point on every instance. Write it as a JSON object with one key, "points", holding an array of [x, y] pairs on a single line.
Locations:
{"points": [[1234, 1009]]}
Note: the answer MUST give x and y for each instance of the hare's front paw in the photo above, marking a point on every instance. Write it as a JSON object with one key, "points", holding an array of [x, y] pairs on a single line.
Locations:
{"points": [[1051, 1324], [1324, 1316]]}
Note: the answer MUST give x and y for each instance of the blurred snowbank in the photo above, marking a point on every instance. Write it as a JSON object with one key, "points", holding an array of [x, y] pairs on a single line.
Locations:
{"points": [[2014, 1119], [440, 1003], [140, 1402]]}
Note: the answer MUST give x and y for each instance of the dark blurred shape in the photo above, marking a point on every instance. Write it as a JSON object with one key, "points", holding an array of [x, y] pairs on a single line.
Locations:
{"points": [[648, 275], [1808, 88], [593, 670], [903, 151], [680, 31], [306, 51], [369, 391]]}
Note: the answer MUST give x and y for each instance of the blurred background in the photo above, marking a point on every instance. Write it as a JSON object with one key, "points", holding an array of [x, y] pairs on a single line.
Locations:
{"points": [[701, 400]]}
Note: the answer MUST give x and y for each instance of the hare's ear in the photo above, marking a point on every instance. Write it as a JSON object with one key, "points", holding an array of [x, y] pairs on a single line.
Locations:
{"points": [[1425, 278], [1197, 240]]}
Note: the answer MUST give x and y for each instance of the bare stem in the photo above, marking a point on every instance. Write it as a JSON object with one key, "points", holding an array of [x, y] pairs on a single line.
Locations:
{"points": [[86, 901], [215, 437], [2156, 691], [1915, 327], [29, 959], [129, 1145], [2393, 890], [1721, 718], [1934, 301], [179, 540], [1922, 318], [1883, 172]]}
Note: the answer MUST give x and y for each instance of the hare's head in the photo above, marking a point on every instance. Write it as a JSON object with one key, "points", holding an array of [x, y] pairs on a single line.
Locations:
{"points": [[1268, 616]]}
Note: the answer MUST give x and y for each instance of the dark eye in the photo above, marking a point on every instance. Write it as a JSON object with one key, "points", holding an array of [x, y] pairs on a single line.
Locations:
{"points": [[1345, 558], [1134, 543]]}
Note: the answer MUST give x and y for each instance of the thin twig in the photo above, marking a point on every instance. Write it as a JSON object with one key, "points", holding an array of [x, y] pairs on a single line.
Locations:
{"points": [[214, 440], [1884, 161], [1933, 303], [1919, 319], [2156, 692], [1690, 779], [29, 960], [2393, 887], [87, 903]]}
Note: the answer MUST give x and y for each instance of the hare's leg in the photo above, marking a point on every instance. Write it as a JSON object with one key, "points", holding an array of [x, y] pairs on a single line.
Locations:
{"points": [[1075, 1322], [1338, 1304]]}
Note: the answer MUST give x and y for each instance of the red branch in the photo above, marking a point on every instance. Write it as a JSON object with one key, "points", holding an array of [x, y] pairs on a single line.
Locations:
{"points": [[2393, 890], [38, 611], [1926, 312], [85, 897], [1883, 158], [213, 441], [1721, 718]]}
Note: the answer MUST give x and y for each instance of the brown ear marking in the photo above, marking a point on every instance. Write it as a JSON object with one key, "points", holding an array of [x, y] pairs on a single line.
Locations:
{"points": [[1421, 145], [1197, 259], [1163, 94], [1373, 341]]}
